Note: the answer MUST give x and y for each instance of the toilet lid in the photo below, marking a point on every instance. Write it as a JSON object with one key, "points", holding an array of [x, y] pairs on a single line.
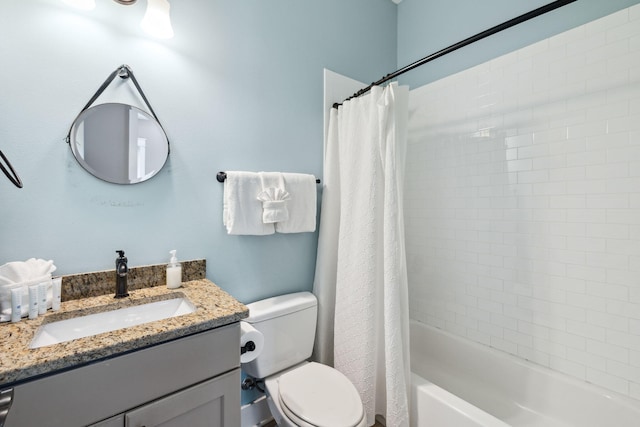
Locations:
{"points": [[320, 396]]}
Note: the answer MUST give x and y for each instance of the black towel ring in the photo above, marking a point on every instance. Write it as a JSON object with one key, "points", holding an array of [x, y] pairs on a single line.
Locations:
{"points": [[11, 173]]}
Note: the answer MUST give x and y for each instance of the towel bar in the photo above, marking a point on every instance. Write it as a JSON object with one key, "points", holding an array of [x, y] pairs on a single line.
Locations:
{"points": [[221, 176]]}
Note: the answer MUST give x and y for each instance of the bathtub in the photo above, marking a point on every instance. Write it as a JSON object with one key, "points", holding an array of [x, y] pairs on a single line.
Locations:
{"points": [[459, 383]]}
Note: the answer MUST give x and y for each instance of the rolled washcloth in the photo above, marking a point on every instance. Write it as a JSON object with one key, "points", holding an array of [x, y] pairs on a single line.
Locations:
{"points": [[274, 205], [274, 197]]}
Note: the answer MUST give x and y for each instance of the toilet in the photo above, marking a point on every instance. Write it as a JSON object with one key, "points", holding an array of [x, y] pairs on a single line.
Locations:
{"points": [[299, 393]]}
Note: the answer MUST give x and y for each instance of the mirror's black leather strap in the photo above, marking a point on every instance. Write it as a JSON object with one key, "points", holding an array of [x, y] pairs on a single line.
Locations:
{"points": [[124, 72], [144, 98], [93, 99], [102, 88], [146, 101]]}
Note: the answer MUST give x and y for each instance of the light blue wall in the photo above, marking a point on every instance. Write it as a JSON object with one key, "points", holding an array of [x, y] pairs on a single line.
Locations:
{"points": [[238, 88], [427, 26]]}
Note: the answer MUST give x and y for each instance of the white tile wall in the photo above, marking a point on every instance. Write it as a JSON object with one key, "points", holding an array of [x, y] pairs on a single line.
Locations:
{"points": [[523, 203]]}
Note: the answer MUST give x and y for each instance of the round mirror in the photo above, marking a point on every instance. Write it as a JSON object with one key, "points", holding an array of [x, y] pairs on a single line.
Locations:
{"points": [[119, 143]]}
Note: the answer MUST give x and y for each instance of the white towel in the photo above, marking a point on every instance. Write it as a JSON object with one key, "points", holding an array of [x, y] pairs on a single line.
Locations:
{"points": [[302, 204], [22, 274], [242, 211], [274, 197], [21, 271]]}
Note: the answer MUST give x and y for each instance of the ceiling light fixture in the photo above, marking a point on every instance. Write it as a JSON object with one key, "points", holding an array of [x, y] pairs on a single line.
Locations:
{"points": [[156, 21]]}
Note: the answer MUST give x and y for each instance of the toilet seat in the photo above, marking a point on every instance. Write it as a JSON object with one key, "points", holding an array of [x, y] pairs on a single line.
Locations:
{"points": [[316, 395]]}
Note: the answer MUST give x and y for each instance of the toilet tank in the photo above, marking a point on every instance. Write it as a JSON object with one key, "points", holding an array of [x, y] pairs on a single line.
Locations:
{"points": [[288, 323]]}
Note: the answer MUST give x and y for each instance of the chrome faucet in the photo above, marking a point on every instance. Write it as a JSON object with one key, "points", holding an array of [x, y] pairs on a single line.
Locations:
{"points": [[121, 275]]}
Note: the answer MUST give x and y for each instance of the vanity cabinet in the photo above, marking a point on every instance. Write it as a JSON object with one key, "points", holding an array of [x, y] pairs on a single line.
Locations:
{"points": [[192, 381], [206, 404]]}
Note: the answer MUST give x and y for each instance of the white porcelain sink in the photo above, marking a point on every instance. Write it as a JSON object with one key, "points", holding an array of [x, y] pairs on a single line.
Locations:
{"points": [[97, 323]]}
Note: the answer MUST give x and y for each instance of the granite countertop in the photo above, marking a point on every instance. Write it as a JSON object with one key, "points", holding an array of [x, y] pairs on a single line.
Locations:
{"points": [[19, 363]]}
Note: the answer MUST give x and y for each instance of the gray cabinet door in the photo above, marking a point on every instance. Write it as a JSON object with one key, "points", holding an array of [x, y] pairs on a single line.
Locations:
{"points": [[213, 403]]}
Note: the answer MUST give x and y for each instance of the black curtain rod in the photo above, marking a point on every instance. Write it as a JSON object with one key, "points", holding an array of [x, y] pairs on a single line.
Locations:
{"points": [[486, 33]]}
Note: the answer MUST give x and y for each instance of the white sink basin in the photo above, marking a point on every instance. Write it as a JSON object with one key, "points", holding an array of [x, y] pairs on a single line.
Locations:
{"points": [[93, 324]]}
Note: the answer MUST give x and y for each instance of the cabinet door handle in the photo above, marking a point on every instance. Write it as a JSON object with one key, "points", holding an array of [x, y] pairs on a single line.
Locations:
{"points": [[6, 399]]}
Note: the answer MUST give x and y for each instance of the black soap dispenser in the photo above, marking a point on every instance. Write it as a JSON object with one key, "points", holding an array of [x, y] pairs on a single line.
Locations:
{"points": [[121, 275]]}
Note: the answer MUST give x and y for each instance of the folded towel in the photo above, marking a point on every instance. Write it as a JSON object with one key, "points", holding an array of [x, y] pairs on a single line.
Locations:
{"points": [[302, 207], [242, 211], [22, 274], [273, 197]]}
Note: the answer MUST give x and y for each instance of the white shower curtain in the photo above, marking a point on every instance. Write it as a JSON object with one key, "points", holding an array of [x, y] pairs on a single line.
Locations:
{"points": [[361, 281]]}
